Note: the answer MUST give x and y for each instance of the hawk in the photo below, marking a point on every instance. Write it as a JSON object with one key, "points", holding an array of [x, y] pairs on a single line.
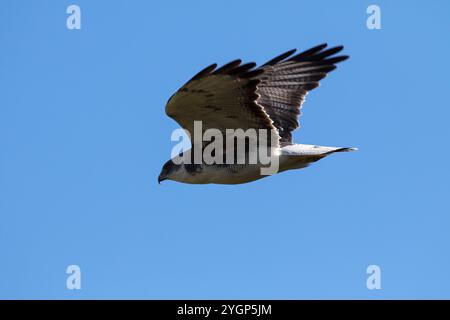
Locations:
{"points": [[244, 96]]}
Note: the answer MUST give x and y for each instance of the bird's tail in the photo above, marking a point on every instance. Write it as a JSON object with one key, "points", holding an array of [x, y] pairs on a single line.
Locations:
{"points": [[301, 155], [341, 150], [311, 150]]}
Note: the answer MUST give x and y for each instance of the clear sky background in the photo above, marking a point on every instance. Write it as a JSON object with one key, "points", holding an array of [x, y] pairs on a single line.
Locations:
{"points": [[83, 135]]}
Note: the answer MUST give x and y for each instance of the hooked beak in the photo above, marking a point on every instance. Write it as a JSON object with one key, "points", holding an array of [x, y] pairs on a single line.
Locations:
{"points": [[160, 178]]}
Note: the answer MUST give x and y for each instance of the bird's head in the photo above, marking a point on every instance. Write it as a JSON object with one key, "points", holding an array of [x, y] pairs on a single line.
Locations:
{"points": [[168, 171]]}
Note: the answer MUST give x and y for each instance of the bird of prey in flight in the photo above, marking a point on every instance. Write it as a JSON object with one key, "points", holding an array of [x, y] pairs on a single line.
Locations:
{"points": [[243, 96]]}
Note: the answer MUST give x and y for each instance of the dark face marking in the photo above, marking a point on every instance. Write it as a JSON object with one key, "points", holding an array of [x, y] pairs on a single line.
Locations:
{"points": [[193, 168]]}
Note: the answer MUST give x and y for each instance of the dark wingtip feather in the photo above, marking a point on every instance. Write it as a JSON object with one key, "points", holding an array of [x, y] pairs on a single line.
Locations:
{"points": [[335, 60], [242, 69], [309, 52], [204, 72], [328, 68], [229, 66], [326, 53], [279, 58]]}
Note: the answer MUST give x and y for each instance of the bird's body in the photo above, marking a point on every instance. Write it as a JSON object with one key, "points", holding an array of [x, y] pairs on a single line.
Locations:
{"points": [[290, 157], [241, 97]]}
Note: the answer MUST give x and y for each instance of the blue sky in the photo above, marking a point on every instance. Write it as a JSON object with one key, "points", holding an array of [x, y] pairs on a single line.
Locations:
{"points": [[83, 135]]}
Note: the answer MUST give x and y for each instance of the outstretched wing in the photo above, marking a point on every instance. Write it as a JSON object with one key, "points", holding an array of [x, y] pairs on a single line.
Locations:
{"points": [[286, 81], [221, 99], [239, 96]]}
